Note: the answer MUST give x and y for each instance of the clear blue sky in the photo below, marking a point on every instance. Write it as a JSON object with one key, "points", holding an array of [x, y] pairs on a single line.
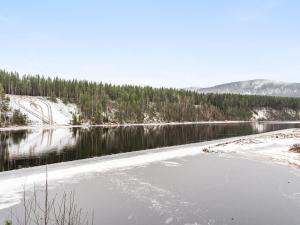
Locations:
{"points": [[158, 42]]}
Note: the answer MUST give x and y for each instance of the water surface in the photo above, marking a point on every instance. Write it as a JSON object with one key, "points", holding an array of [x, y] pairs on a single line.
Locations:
{"points": [[28, 148]]}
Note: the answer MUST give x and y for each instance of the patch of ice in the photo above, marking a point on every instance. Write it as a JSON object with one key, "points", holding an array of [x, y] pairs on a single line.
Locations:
{"points": [[12, 182], [169, 205], [169, 220], [170, 163]]}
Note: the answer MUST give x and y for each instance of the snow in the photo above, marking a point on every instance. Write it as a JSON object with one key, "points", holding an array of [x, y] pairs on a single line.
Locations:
{"points": [[260, 114], [255, 87], [156, 119], [272, 146], [264, 114], [40, 110]]}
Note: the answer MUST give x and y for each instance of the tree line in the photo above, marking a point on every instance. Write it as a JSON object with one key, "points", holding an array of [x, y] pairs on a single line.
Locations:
{"points": [[6, 116], [104, 103]]}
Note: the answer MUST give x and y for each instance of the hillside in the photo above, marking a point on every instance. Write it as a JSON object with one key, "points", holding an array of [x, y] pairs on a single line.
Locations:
{"points": [[100, 103], [41, 110], [255, 87]]}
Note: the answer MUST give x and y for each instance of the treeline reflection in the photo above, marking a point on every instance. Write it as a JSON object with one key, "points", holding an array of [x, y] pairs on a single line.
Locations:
{"points": [[27, 148]]}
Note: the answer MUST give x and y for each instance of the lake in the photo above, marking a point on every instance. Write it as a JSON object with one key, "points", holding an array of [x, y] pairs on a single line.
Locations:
{"points": [[34, 147]]}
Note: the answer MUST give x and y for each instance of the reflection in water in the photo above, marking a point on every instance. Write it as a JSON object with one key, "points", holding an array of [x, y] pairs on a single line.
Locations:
{"points": [[37, 147], [40, 142], [21, 146]]}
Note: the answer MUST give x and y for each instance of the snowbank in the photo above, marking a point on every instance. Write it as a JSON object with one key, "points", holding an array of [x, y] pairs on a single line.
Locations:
{"points": [[270, 147]]}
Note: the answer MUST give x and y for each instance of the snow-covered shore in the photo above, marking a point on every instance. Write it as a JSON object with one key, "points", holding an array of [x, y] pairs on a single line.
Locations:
{"points": [[45, 126], [272, 146], [269, 147]]}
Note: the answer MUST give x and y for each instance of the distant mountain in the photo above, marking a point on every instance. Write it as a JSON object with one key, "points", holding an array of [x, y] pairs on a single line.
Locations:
{"points": [[255, 87]]}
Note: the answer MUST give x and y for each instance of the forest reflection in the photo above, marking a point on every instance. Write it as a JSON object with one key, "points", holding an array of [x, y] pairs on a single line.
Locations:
{"points": [[27, 148]]}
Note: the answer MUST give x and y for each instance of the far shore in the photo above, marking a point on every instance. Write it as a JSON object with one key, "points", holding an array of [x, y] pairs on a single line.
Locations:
{"points": [[46, 126]]}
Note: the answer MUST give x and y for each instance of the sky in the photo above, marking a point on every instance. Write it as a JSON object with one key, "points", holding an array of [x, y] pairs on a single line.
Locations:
{"points": [[168, 43]]}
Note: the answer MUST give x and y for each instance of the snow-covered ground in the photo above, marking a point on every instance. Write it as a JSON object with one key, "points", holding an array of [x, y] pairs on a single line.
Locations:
{"points": [[40, 110], [271, 146], [265, 114], [260, 114]]}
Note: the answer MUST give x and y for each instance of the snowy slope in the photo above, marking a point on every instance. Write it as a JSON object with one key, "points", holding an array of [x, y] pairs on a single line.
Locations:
{"points": [[255, 87], [40, 110]]}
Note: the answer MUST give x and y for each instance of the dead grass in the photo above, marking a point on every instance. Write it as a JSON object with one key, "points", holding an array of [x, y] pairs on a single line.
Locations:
{"points": [[295, 148]]}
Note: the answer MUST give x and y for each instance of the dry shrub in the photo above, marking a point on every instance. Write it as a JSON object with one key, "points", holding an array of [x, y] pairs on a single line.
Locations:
{"points": [[295, 148], [54, 211]]}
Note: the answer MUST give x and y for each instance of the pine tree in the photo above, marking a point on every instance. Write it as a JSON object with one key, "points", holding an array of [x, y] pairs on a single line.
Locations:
{"points": [[107, 103]]}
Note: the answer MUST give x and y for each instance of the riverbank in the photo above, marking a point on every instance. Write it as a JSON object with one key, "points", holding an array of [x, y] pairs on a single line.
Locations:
{"points": [[274, 146], [30, 127], [176, 185]]}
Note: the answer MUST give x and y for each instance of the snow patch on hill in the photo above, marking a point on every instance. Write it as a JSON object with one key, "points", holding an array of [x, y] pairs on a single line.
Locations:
{"points": [[260, 114], [255, 87], [263, 114], [40, 110]]}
